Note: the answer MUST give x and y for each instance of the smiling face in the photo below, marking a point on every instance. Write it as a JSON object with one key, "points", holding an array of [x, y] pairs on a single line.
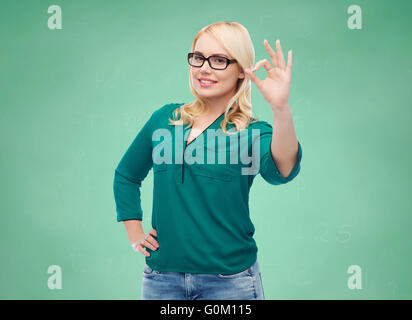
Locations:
{"points": [[225, 88]]}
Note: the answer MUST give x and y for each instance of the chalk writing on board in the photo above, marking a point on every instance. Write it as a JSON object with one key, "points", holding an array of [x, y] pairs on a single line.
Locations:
{"points": [[344, 234]]}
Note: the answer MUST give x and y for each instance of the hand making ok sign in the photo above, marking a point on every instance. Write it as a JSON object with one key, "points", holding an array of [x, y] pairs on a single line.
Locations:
{"points": [[276, 87]]}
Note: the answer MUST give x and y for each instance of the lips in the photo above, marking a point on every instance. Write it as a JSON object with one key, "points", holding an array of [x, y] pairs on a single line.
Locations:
{"points": [[205, 79], [206, 84]]}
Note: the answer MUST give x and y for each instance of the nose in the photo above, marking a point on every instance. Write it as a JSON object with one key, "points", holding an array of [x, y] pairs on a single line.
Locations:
{"points": [[205, 67]]}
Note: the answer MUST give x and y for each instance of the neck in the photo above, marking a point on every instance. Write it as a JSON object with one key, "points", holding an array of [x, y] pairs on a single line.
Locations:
{"points": [[216, 109]]}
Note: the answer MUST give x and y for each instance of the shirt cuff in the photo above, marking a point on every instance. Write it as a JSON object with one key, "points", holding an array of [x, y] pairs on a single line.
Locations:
{"points": [[271, 173]]}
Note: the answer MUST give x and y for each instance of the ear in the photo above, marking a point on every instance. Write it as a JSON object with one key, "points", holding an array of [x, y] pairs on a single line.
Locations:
{"points": [[241, 75]]}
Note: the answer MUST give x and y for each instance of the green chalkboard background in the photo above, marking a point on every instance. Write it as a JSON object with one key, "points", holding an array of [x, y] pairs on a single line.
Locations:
{"points": [[72, 101]]}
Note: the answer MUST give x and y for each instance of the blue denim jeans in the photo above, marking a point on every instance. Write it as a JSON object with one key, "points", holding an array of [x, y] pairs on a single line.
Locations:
{"points": [[245, 285]]}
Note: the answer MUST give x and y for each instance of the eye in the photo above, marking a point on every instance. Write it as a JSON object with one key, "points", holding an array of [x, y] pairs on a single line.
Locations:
{"points": [[219, 60]]}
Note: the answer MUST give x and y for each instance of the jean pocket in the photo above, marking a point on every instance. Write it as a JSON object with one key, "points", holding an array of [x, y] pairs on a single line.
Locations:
{"points": [[147, 269], [247, 272]]}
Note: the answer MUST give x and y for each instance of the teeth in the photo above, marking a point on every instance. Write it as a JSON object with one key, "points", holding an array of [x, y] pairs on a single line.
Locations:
{"points": [[204, 81]]}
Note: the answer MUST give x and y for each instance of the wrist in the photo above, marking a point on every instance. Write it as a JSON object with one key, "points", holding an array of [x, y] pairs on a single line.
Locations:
{"points": [[281, 112], [280, 108]]}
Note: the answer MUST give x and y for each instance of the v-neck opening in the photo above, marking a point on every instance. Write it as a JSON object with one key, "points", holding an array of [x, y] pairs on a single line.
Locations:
{"points": [[187, 144]]}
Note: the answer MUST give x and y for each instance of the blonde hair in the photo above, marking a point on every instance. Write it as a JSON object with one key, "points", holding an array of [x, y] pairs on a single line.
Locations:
{"points": [[235, 39]]}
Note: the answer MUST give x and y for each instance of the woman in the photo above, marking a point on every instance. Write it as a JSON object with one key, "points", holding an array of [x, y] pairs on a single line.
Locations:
{"points": [[201, 245]]}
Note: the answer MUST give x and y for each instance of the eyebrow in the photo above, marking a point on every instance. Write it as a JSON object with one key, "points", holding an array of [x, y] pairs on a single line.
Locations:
{"points": [[213, 54]]}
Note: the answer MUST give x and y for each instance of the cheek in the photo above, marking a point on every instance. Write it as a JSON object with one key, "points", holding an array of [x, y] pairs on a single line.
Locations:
{"points": [[229, 81], [193, 76]]}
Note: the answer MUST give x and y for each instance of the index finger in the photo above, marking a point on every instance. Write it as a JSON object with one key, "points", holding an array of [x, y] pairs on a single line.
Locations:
{"points": [[153, 240], [153, 232]]}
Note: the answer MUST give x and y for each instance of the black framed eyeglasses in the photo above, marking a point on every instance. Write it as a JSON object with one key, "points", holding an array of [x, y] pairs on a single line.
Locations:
{"points": [[215, 62]]}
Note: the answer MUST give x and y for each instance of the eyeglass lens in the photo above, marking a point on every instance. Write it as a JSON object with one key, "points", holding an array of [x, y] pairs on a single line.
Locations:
{"points": [[216, 62]]}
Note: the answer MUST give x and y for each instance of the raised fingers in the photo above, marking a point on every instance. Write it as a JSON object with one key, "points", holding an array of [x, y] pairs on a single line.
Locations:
{"points": [[281, 59], [272, 54], [289, 67]]}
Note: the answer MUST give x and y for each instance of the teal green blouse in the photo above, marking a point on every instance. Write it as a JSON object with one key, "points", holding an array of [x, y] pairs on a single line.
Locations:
{"points": [[200, 201]]}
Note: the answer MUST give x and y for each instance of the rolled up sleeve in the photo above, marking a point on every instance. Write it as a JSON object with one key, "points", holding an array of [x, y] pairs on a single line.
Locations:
{"points": [[268, 169]]}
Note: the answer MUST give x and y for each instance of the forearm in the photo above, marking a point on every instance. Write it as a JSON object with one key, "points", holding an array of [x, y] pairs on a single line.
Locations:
{"points": [[284, 145], [134, 229]]}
